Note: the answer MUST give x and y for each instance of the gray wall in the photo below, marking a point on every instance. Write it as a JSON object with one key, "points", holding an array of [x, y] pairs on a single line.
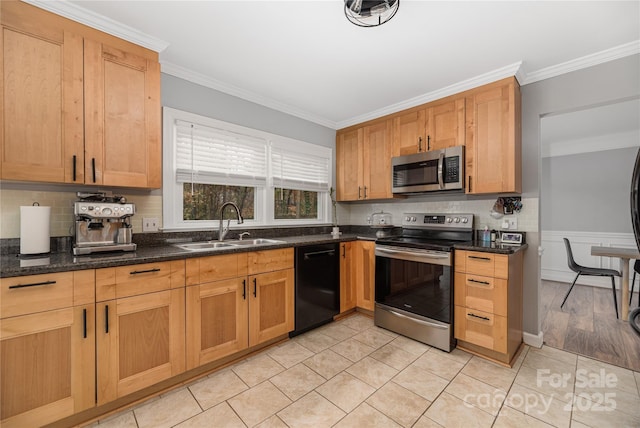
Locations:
{"points": [[187, 96], [587, 191], [604, 83]]}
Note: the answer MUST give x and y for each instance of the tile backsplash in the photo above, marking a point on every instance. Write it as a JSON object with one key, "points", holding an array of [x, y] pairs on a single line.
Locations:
{"points": [[61, 203], [527, 218], [150, 205]]}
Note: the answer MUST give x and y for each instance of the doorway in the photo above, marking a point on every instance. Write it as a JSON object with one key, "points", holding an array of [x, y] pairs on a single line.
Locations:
{"points": [[587, 157]]}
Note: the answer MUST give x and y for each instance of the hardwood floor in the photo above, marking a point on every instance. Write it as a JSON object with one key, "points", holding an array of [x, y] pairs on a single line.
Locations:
{"points": [[587, 324]]}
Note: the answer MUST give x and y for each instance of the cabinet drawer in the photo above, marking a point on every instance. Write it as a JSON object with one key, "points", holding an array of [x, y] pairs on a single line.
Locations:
{"points": [[484, 264], [125, 281], [35, 293], [481, 328], [270, 260], [215, 268], [484, 293]]}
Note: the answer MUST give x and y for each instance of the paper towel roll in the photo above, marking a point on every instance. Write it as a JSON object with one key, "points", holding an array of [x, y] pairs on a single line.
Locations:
{"points": [[35, 230]]}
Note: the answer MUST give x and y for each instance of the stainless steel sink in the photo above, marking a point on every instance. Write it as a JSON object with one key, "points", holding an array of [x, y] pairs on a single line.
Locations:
{"points": [[259, 241], [204, 246], [214, 245]]}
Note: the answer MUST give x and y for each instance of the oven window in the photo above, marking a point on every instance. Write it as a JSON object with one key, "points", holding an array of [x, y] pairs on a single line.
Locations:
{"points": [[420, 288]]}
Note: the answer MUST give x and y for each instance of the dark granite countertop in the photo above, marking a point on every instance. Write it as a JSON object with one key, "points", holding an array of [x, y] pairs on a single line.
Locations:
{"points": [[491, 247], [12, 265]]}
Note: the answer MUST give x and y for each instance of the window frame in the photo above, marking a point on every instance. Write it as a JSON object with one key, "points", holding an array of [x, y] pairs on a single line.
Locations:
{"points": [[264, 203]]}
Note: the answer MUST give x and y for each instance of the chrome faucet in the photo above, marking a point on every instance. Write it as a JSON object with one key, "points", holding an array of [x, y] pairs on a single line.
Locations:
{"points": [[222, 232]]}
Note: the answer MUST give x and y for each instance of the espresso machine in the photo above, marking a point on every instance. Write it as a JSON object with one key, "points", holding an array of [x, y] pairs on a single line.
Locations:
{"points": [[102, 223]]}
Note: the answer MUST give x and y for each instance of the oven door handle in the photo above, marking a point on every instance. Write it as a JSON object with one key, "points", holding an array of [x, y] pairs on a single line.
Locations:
{"points": [[430, 324], [409, 253]]}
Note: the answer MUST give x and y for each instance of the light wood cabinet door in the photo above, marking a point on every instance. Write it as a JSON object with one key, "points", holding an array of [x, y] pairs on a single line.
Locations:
{"points": [[41, 91], [140, 341], [271, 305], [493, 142], [122, 118], [347, 277], [409, 130], [445, 125], [47, 365], [377, 161], [217, 320], [349, 165], [365, 262]]}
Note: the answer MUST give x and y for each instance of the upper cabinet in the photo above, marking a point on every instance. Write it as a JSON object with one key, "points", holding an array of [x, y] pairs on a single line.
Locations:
{"points": [[78, 106], [363, 159], [122, 117], [493, 142], [437, 126]]}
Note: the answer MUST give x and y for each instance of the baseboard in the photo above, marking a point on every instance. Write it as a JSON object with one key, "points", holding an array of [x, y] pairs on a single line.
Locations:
{"points": [[532, 339]]}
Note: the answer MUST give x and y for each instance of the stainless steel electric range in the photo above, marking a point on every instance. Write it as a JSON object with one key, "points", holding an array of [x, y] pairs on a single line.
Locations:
{"points": [[414, 277]]}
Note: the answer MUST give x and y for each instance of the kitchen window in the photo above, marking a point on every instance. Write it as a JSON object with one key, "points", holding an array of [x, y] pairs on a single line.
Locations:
{"points": [[274, 180]]}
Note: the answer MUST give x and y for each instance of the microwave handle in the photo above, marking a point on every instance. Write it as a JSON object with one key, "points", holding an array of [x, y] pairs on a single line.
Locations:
{"points": [[441, 170]]}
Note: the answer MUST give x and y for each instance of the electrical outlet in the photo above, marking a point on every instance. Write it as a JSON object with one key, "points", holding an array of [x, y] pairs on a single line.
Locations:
{"points": [[149, 224], [510, 223]]}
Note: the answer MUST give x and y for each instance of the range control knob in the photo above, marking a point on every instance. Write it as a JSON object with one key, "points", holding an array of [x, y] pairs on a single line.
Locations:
{"points": [[413, 219], [456, 220], [407, 218], [449, 219], [465, 220]]}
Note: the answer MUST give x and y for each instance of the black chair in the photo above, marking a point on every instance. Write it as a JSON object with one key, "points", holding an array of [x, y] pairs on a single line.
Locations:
{"points": [[636, 269], [582, 270]]}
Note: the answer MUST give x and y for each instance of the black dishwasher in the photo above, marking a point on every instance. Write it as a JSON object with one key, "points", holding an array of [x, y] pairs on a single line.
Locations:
{"points": [[317, 286]]}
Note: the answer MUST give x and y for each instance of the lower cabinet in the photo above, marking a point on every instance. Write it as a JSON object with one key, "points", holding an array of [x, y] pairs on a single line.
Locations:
{"points": [[365, 270], [347, 277], [488, 303], [47, 347], [140, 338], [252, 302]]}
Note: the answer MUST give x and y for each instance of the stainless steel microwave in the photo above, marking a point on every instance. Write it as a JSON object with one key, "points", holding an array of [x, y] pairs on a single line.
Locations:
{"points": [[432, 171]]}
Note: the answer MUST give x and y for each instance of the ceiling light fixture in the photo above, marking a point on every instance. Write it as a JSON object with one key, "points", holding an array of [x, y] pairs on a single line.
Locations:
{"points": [[370, 13]]}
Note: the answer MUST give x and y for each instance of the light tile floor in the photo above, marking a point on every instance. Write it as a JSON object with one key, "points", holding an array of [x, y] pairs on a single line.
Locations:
{"points": [[353, 374]]}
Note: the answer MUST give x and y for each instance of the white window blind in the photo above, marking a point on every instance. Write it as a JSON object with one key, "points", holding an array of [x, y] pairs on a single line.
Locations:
{"points": [[300, 171], [214, 156]]}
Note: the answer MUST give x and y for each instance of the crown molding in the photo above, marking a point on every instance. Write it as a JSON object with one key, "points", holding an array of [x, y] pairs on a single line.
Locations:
{"points": [[474, 82], [617, 52], [100, 22], [203, 80]]}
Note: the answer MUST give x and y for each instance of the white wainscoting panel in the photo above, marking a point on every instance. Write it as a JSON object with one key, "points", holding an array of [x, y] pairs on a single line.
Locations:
{"points": [[554, 266]]}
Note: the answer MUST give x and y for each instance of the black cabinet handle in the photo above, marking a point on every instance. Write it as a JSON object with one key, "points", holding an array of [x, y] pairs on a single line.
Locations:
{"points": [[328, 253], [84, 323], [137, 272], [93, 169], [35, 284], [74, 167], [419, 144], [365, 192], [428, 142], [344, 251], [469, 184], [479, 282], [480, 258], [106, 319], [479, 317], [358, 192], [244, 289], [255, 287]]}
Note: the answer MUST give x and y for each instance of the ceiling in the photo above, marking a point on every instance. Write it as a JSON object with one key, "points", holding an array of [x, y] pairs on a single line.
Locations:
{"points": [[304, 58]]}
